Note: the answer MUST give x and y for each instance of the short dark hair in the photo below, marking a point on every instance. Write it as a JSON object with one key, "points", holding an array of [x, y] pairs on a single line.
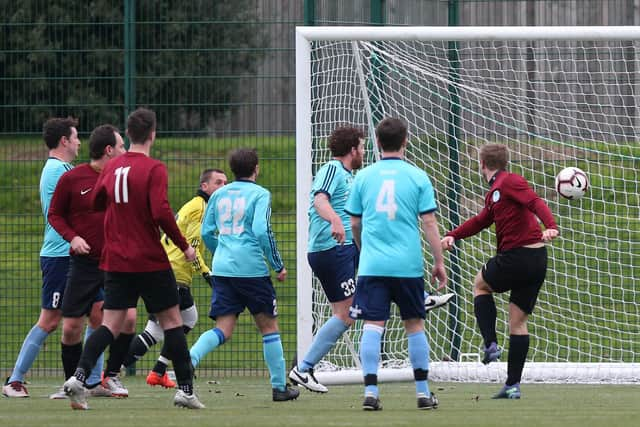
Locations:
{"points": [[101, 137], [55, 128], [343, 139], [206, 174], [140, 124], [243, 162], [494, 156], [391, 133]]}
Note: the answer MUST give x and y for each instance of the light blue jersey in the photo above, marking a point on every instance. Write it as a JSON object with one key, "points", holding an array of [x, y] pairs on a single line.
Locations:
{"points": [[389, 196], [335, 181], [237, 228], [54, 245]]}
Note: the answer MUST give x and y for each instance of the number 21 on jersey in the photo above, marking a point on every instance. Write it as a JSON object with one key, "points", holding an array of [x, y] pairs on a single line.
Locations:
{"points": [[231, 211], [386, 200]]}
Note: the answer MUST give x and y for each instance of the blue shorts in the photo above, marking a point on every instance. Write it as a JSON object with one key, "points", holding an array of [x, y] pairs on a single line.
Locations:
{"points": [[374, 295], [231, 295], [54, 280], [336, 270]]}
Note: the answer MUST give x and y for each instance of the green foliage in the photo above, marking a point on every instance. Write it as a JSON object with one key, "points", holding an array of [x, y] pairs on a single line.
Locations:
{"points": [[67, 59]]}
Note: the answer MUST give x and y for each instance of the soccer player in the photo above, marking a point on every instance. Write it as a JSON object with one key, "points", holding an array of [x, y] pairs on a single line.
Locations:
{"points": [[133, 190], [332, 255], [237, 230], [72, 215], [520, 264], [61, 137], [385, 203], [189, 220]]}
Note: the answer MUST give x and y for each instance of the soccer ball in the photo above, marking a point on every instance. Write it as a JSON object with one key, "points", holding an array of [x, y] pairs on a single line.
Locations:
{"points": [[572, 183]]}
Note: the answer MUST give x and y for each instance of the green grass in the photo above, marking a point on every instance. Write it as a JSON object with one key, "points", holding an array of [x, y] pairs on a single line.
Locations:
{"points": [[242, 401]]}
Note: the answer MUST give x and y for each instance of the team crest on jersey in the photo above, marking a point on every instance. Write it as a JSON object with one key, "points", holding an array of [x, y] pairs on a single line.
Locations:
{"points": [[495, 196]]}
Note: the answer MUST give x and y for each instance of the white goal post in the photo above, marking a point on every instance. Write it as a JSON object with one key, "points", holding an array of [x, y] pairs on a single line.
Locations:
{"points": [[557, 97]]}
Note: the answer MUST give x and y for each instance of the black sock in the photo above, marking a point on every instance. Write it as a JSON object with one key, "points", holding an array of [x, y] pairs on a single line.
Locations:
{"points": [[160, 367], [485, 309], [139, 347], [518, 349], [70, 358], [175, 346], [117, 352], [95, 345]]}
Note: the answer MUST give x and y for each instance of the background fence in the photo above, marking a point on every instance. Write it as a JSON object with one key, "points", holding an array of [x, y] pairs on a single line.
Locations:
{"points": [[220, 75]]}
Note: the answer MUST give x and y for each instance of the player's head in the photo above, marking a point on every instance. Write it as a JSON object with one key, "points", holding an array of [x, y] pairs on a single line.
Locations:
{"points": [[244, 162], [494, 157], [59, 133], [141, 126], [211, 180], [391, 134], [105, 140], [347, 140]]}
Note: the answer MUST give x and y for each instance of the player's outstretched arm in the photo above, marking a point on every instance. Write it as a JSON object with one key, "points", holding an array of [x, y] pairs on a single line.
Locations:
{"points": [[431, 233]]}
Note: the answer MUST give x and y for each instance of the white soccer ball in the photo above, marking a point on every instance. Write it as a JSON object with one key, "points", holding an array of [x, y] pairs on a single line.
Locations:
{"points": [[572, 183]]}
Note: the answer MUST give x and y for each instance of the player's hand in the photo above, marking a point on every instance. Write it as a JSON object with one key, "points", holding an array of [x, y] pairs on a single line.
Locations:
{"points": [[337, 231], [282, 275], [190, 254], [207, 278], [79, 246], [447, 243], [549, 234], [439, 274]]}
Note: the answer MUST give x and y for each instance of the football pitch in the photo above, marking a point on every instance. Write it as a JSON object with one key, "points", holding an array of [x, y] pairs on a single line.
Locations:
{"points": [[246, 401]]}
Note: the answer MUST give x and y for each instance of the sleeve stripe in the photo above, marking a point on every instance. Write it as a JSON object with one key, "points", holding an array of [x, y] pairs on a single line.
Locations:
{"points": [[272, 242], [328, 179]]}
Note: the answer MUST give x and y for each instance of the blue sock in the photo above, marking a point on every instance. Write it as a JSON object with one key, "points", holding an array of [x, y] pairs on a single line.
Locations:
{"points": [[370, 355], [419, 357], [96, 373], [324, 341], [274, 356], [28, 353], [206, 343]]}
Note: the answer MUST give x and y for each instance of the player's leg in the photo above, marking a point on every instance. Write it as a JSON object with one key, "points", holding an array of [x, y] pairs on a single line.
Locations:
{"points": [[484, 307], [226, 304], [335, 268], [371, 302], [151, 335], [54, 279], [407, 293], [189, 313], [95, 320], [160, 294]]}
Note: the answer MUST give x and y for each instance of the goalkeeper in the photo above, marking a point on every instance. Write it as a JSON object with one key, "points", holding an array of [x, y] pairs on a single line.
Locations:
{"points": [[520, 264], [189, 219]]}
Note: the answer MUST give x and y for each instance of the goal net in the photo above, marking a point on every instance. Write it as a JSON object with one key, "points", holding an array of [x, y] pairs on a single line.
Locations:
{"points": [[557, 97]]}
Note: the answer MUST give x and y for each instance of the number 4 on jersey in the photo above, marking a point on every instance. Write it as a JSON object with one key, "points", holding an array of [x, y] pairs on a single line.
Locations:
{"points": [[386, 200]]}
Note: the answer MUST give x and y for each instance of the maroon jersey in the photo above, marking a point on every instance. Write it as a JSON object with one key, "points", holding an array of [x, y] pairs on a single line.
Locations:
{"points": [[511, 205], [133, 190], [71, 211]]}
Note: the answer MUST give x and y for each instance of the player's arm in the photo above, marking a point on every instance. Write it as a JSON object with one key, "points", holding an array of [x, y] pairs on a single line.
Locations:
{"points": [[432, 235], [261, 227], [468, 228], [521, 192], [209, 229], [356, 230], [322, 205], [58, 214], [161, 210], [99, 196], [192, 234]]}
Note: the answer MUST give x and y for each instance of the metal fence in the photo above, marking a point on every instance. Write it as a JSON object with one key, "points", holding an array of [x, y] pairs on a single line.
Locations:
{"points": [[220, 75]]}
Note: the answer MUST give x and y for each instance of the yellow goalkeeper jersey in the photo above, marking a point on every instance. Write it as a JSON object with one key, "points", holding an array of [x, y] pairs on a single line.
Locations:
{"points": [[189, 219]]}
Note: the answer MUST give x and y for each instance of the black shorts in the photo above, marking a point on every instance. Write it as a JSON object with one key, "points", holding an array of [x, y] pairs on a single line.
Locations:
{"points": [[84, 286], [520, 270], [157, 288], [185, 299]]}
